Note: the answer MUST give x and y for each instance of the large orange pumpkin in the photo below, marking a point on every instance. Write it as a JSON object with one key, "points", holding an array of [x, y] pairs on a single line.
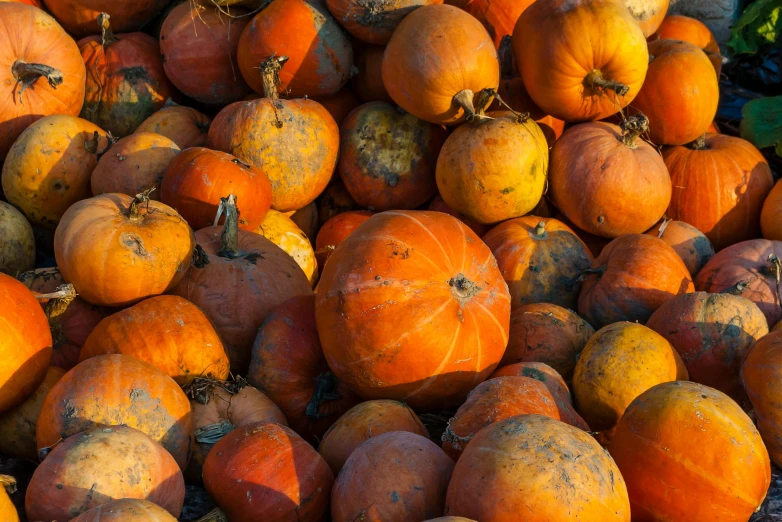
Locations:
{"points": [[373, 21], [368, 80], [78, 16], [665, 443], [771, 214], [126, 510], [760, 372], [692, 30], [335, 231], [184, 126], [648, 13], [429, 272], [498, 17], [691, 244], [580, 59], [630, 279], [463, 63]]}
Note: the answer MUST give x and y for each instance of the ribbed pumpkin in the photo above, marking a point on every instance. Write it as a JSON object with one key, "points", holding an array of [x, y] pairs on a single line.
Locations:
{"points": [[78, 16], [387, 157], [133, 165], [199, 47], [751, 269], [463, 64], [184, 126], [557, 471], [17, 242], [760, 372], [335, 231], [126, 510], [117, 250], [648, 13], [630, 279], [691, 244], [712, 333], [283, 232], [771, 214], [44, 185], [44, 71], [373, 21], [368, 81], [719, 185], [456, 327], [623, 177], [665, 446], [125, 79], [602, 45], [498, 17], [541, 259], [692, 30], [438, 204]]}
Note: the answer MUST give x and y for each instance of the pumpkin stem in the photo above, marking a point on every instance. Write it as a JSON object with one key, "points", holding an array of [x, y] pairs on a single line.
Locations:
{"points": [[230, 235], [462, 288], [91, 145], [216, 515], [699, 144], [212, 433], [599, 271], [200, 388], [663, 226], [270, 74], [775, 267], [540, 230], [200, 259], [134, 213], [58, 301], [736, 289], [325, 390], [28, 73], [456, 441], [8, 483], [106, 34], [632, 128], [464, 99], [595, 81]]}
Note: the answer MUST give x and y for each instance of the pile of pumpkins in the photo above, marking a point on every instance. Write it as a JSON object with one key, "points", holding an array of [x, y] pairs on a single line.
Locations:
{"points": [[384, 261]]}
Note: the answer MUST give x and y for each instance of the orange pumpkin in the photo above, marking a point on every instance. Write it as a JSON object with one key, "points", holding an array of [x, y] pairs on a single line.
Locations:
{"points": [[498, 17], [623, 177], [580, 60], [541, 259], [438, 204], [692, 30], [373, 21], [760, 372], [283, 232], [463, 64], [45, 73], [771, 214], [36, 3], [184, 126], [78, 16], [648, 13], [719, 185], [132, 392], [691, 244], [126, 510], [630, 279], [335, 231], [340, 104], [665, 446], [368, 81], [7, 508]]}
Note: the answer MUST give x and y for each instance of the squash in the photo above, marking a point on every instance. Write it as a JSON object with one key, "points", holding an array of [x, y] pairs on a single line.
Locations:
{"points": [[456, 328], [340, 104], [17, 242], [692, 30], [394, 477], [691, 244], [498, 17], [759, 374], [771, 214], [664, 447], [368, 81], [438, 204], [35, 3], [335, 231], [7, 508], [283, 232], [126, 510], [78, 16], [184, 126], [648, 13], [373, 21]]}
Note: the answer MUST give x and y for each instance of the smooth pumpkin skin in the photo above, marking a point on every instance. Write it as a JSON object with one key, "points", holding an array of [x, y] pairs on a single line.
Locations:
{"points": [[184, 126], [428, 271], [368, 81], [266, 471], [606, 186], [498, 17], [7, 508], [393, 477], [78, 16], [126, 510], [691, 244], [100, 465], [541, 260], [513, 92], [438, 204], [648, 13], [665, 446], [335, 231], [115, 257], [637, 274], [25, 343], [558, 43], [547, 481], [719, 188], [42, 183], [712, 333], [463, 58], [621, 361], [759, 373], [387, 157], [340, 104], [692, 30], [283, 232], [771, 214], [306, 218], [362, 422], [17, 242], [373, 22], [134, 164]]}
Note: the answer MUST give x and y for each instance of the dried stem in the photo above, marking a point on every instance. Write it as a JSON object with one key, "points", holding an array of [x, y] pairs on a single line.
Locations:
{"points": [[632, 128], [598, 83], [699, 144], [230, 235], [270, 74], [325, 390], [106, 33], [27, 74], [134, 212], [214, 516]]}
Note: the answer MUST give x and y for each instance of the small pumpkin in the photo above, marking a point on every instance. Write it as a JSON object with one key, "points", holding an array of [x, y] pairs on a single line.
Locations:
{"points": [[771, 214], [760, 372], [335, 231], [283, 232], [438, 204], [78, 16], [184, 126], [373, 21], [340, 104], [691, 244], [648, 13], [498, 17], [368, 81], [17, 242], [126, 510], [692, 30]]}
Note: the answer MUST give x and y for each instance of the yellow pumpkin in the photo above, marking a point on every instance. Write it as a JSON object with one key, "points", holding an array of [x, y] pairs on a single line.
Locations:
{"points": [[283, 232]]}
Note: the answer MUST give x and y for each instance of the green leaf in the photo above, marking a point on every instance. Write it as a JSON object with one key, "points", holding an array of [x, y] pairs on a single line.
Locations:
{"points": [[758, 27], [762, 123]]}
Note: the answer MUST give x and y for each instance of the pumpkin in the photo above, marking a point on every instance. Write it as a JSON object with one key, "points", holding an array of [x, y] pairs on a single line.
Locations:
{"points": [[620, 362], [623, 177], [450, 519], [692, 30], [246, 277], [362, 422], [283, 232], [541, 259], [103, 464], [7, 508], [368, 81], [777, 327], [631, 278], [126, 510], [393, 477], [306, 218], [373, 21], [473, 182], [25, 343], [759, 373], [750, 269], [17, 243], [719, 185], [195, 181], [691, 244], [294, 141], [648, 13], [557, 472], [580, 60], [462, 65], [43, 184], [125, 79], [335, 231], [288, 365], [36, 3], [340, 104], [133, 165], [78, 16], [664, 447], [45, 73], [184, 126], [387, 157], [438, 204], [456, 329], [109, 390], [712, 333], [117, 250], [266, 471], [319, 52], [334, 200], [770, 216], [498, 17], [199, 47]]}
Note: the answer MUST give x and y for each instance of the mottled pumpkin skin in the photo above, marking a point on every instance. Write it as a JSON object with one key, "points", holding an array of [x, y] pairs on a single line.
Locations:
{"points": [[428, 271], [373, 22], [759, 374], [100, 465], [184, 126], [340, 104], [78, 16], [17, 242], [513, 93], [109, 390], [558, 471], [335, 231], [266, 471], [283, 232], [541, 264], [648, 13], [691, 244], [126, 510], [665, 446], [368, 81], [438, 204], [362, 422], [498, 17], [771, 215], [388, 157], [394, 477], [712, 333]]}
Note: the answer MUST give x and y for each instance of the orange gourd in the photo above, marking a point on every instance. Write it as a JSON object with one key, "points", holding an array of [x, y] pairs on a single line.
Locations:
{"points": [[438, 204], [373, 21], [760, 372], [368, 81], [35, 3], [691, 244], [340, 104], [335, 231], [126, 510], [498, 17], [771, 214], [78, 16], [648, 13], [184, 126], [692, 30]]}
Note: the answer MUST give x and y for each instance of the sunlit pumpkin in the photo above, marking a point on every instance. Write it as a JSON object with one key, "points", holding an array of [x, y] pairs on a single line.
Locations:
{"points": [[692, 30], [126, 510], [283, 232], [760, 372], [691, 244], [373, 21], [498, 17], [648, 13], [78, 16]]}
